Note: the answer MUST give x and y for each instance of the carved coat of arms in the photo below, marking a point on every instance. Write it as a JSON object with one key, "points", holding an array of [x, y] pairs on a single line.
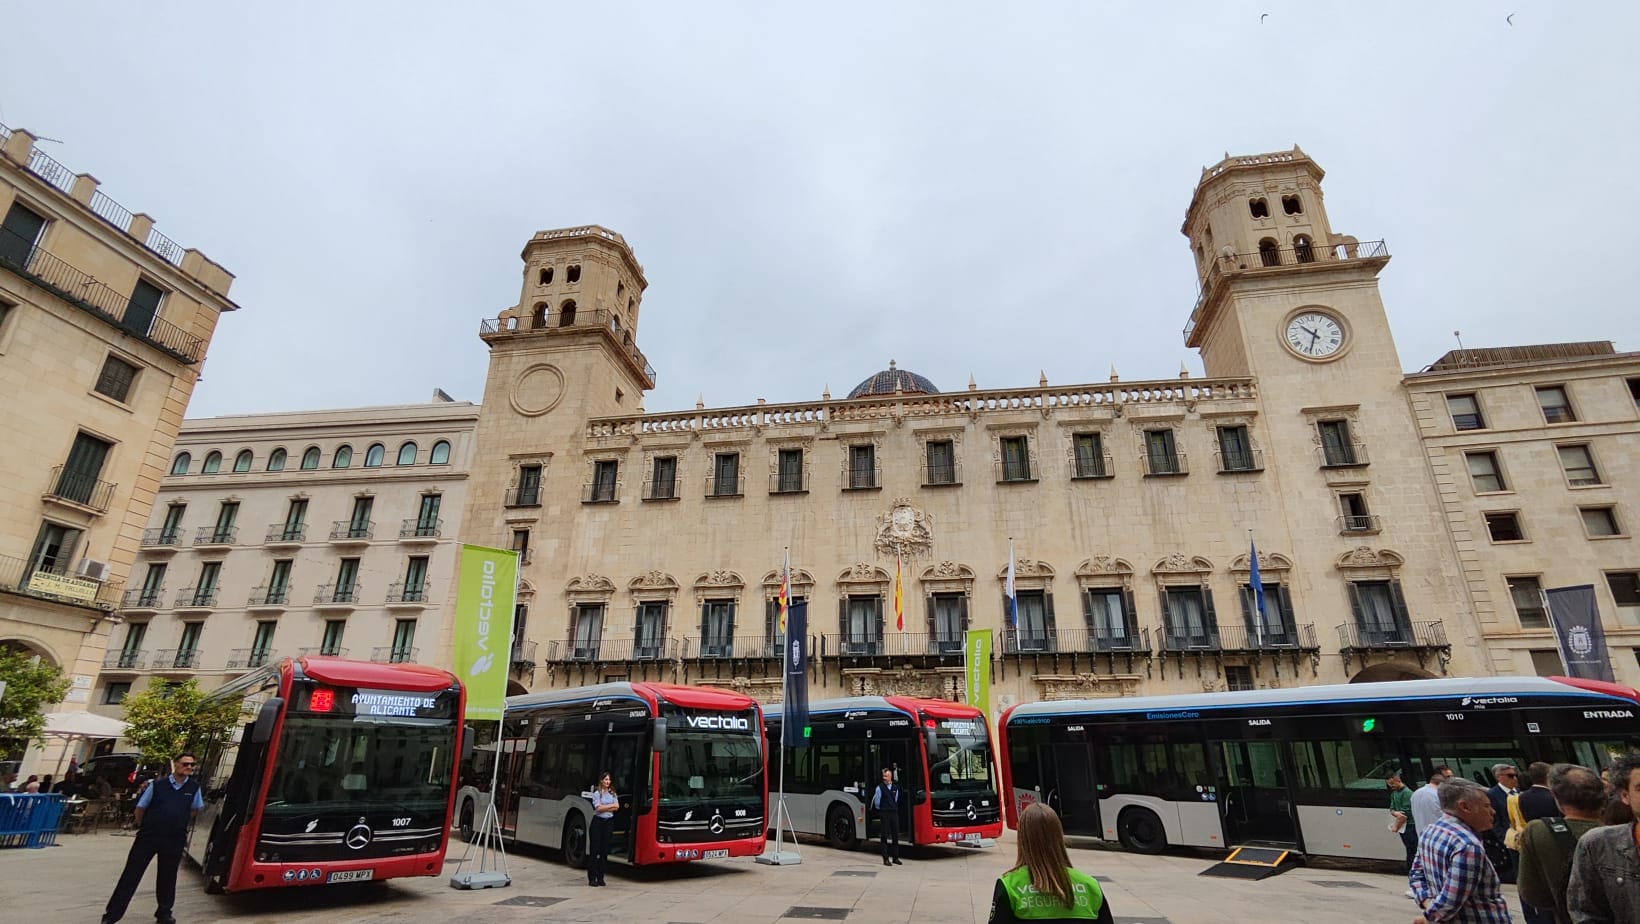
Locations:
{"points": [[904, 530]]}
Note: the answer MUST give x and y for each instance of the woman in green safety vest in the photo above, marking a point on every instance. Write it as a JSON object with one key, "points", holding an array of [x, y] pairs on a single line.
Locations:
{"points": [[1043, 886]]}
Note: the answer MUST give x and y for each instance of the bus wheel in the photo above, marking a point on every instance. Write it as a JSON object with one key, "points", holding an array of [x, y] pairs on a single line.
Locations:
{"points": [[1140, 831], [840, 827], [575, 842], [467, 822]]}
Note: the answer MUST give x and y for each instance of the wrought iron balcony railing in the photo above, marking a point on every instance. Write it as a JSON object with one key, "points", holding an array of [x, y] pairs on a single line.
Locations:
{"points": [[406, 592], [1407, 635], [176, 659], [53, 582], [789, 482], [337, 593], [196, 598], [660, 489], [1177, 638], [601, 492], [393, 654], [741, 646], [161, 537], [1272, 638], [323, 650], [350, 531], [725, 486], [1158, 464], [1358, 523], [143, 598], [942, 475], [581, 319], [523, 655], [1091, 465], [284, 533], [249, 658], [1346, 455], [1239, 460], [415, 528], [80, 488], [124, 659], [526, 496], [216, 535], [1225, 266], [265, 595]]}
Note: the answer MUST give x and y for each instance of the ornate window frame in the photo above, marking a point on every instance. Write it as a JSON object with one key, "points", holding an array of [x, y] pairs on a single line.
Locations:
{"points": [[718, 585], [1104, 572], [1029, 574], [948, 577]]}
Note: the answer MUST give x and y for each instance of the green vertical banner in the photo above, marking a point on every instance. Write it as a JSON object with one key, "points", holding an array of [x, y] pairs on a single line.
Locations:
{"points": [[486, 586], [976, 663]]}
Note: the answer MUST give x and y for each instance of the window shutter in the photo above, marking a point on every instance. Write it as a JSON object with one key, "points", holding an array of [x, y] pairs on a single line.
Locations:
{"points": [[1248, 607], [729, 630], [1132, 613], [1047, 611], [1209, 616], [842, 616], [1289, 621], [933, 619], [1399, 601], [771, 618], [1167, 612], [1087, 609], [878, 600], [962, 611], [705, 621], [1355, 604]]}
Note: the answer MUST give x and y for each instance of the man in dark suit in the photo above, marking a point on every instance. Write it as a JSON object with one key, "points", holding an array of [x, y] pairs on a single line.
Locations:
{"points": [[1508, 784], [886, 800], [1538, 800]]}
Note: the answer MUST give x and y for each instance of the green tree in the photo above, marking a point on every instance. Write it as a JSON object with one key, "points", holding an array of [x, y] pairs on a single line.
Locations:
{"points": [[167, 719], [31, 685]]}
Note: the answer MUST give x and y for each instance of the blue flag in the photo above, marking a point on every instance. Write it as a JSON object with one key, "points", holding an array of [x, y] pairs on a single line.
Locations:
{"points": [[1008, 590], [1575, 614], [795, 721], [1256, 582]]}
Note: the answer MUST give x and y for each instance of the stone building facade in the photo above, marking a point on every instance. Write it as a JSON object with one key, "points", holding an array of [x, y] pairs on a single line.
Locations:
{"points": [[104, 324], [1130, 508], [323, 532]]}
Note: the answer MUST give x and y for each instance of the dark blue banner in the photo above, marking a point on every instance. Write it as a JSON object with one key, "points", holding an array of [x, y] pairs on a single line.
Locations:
{"points": [[1576, 618], [794, 724]]}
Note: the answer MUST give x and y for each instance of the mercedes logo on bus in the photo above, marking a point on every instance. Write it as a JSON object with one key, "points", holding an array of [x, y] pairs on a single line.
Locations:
{"points": [[358, 837], [717, 824]]}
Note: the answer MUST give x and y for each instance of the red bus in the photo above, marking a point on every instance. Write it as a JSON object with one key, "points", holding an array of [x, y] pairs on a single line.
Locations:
{"points": [[940, 752], [346, 773], [687, 764]]}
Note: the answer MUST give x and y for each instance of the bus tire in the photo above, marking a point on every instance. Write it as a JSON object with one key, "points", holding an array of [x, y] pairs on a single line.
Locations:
{"points": [[575, 841], [1140, 831], [840, 827], [466, 824]]}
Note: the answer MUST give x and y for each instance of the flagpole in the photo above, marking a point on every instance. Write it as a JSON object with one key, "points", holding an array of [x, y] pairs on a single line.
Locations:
{"points": [[779, 857], [1255, 589]]}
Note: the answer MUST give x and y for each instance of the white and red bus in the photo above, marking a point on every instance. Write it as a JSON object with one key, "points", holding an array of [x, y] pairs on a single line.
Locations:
{"points": [[686, 762], [940, 753], [345, 772], [1301, 768]]}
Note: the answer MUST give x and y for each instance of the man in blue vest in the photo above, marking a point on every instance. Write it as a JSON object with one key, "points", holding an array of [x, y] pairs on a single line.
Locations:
{"points": [[164, 811], [886, 800]]}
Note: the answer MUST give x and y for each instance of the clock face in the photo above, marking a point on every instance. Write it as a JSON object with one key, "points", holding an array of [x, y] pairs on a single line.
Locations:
{"points": [[1315, 335]]}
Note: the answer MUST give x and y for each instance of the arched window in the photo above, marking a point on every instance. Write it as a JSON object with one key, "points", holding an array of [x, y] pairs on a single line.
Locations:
{"points": [[276, 460], [1269, 253], [1302, 249], [310, 459], [374, 455], [213, 463], [1291, 205], [1259, 208], [179, 465], [407, 454], [343, 457], [631, 303], [441, 453], [242, 462], [566, 314], [546, 276], [538, 317], [573, 274]]}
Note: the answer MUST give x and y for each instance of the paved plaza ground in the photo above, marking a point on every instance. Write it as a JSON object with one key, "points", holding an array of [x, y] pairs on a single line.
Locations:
{"points": [[70, 883]]}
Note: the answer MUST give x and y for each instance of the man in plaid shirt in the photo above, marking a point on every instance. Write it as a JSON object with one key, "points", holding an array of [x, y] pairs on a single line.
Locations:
{"points": [[1451, 877]]}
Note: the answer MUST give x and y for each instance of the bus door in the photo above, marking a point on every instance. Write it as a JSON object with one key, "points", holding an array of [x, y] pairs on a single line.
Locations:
{"points": [[894, 754], [621, 760], [1069, 787], [1254, 801]]}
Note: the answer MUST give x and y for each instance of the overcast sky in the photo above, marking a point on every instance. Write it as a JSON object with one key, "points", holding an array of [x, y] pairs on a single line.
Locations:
{"points": [[987, 189]]}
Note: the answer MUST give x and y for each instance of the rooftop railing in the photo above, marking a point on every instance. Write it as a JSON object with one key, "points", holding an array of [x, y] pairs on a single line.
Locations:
{"points": [[1315, 252], [580, 319]]}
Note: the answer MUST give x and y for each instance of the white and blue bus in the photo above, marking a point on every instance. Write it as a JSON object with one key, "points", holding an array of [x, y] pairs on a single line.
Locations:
{"points": [[1301, 768]]}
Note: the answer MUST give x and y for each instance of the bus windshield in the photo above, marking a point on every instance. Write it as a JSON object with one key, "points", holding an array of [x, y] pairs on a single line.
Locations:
{"points": [[715, 766], [961, 759], [328, 762]]}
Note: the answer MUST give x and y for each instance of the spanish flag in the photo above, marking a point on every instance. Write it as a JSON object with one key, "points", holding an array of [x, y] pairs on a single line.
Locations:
{"points": [[899, 598]]}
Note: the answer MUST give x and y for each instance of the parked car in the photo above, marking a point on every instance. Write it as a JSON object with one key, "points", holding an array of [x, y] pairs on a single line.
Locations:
{"points": [[124, 772]]}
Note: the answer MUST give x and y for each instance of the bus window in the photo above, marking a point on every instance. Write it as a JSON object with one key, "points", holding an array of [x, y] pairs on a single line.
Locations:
{"points": [[1599, 755], [1472, 760], [1151, 764], [1346, 772]]}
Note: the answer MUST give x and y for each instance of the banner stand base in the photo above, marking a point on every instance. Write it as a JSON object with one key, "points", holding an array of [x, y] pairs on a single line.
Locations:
{"points": [[779, 858], [489, 879]]}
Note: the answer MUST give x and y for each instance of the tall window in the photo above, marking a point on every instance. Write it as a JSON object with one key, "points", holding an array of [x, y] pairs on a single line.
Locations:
{"points": [[1190, 620], [276, 460], [53, 548], [407, 454], [1527, 595], [20, 232], [1380, 613], [1161, 454], [949, 620], [1269, 252], [441, 453], [588, 631], [789, 478], [726, 474], [262, 643], [82, 469], [1466, 412], [279, 581], [1625, 588], [1089, 455], [1034, 630], [1557, 408], [1276, 625], [347, 581], [142, 308], [529, 486], [375, 455], [521, 545], [295, 520], [1235, 450], [1302, 249], [226, 515], [205, 590], [649, 630], [310, 459], [131, 649], [242, 462], [1016, 458], [942, 462], [1578, 463], [862, 624], [179, 465], [172, 527], [116, 378], [663, 478], [213, 463], [331, 642], [605, 473], [1485, 471], [404, 641], [427, 515], [1337, 443], [1109, 622], [153, 584], [862, 466], [343, 457], [717, 628], [188, 646], [1356, 518], [358, 525], [415, 578]]}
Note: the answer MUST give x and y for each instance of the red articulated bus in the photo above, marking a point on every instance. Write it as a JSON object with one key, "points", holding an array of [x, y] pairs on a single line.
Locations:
{"points": [[345, 772], [686, 762]]}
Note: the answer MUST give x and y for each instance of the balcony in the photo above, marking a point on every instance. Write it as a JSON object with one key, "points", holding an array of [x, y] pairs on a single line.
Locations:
{"points": [[942, 476], [1273, 638], [1420, 639], [215, 538], [1018, 472], [285, 535], [790, 482], [725, 486], [892, 645], [161, 539], [394, 654], [322, 651], [1128, 640], [1031, 641], [82, 290], [1308, 256], [1164, 465], [1357, 524], [1084, 466], [523, 657], [351, 532], [124, 660], [1346, 455], [79, 490], [525, 496], [52, 583], [601, 492], [660, 489], [337, 596], [169, 660], [493, 330], [730, 647], [275, 597], [406, 594], [1178, 639], [244, 659], [1237, 461], [143, 599], [416, 531], [196, 598], [862, 478]]}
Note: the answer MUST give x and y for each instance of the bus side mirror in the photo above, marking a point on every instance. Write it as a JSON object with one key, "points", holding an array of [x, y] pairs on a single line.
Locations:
{"points": [[932, 741], [469, 738], [660, 734], [266, 717]]}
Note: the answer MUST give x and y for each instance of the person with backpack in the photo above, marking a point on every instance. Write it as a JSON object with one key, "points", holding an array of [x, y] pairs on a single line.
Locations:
{"points": [[1547, 844], [1605, 883]]}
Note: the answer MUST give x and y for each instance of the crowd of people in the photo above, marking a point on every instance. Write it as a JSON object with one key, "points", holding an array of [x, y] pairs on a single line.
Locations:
{"points": [[1568, 839]]}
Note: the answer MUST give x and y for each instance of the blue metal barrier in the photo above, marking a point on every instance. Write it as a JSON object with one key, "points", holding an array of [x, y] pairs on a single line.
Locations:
{"points": [[30, 819]]}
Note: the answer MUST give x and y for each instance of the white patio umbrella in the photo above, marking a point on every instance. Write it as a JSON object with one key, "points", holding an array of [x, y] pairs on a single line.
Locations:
{"points": [[72, 725]]}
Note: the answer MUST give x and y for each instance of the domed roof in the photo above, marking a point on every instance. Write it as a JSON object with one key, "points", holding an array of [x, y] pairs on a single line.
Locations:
{"points": [[893, 379]]}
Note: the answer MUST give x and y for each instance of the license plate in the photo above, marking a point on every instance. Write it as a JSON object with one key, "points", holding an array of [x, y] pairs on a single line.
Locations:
{"points": [[971, 837], [352, 875], [715, 855]]}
